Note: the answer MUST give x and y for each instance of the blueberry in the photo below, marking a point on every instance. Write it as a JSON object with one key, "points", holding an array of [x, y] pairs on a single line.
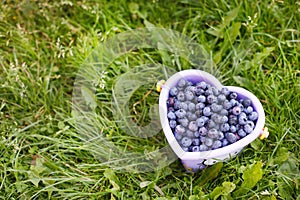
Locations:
{"points": [[191, 116], [224, 119], [203, 147], [191, 107], [189, 83], [226, 104], [193, 126], [251, 124], [172, 124], [246, 102], [220, 135], [241, 133], [182, 83], [199, 91], [212, 133], [242, 118], [196, 134], [190, 88], [236, 110], [230, 137], [216, 92], [233, 119], [177, 135], [216, 107], [224, 142], [196, 141], [189, 133], [189, 95], [171, 109], [180, 113], [180, 129], [202, 131], [208, 92], [225, 127], [216, 118], [173, 91], [170, 101], [224, 112], [221, 98], [171, 115], [233, 95], [176, 105], [248, 128], [183, 105], [181, 96], [232, 128], [225, 91], [233, 102], [248, 109], [201, 99], [202, 139], [211, 99], [185, 149], [200, 122], [200, 106], [184, 122], [253, 116], [202, 84], [211, 124], [208, 141], [207, 111], [195, 149], [198, 113], [217, 144], [186, 142]]}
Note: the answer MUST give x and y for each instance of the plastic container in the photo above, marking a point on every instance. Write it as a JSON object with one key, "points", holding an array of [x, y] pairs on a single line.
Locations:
{"points": [[194, 161]]}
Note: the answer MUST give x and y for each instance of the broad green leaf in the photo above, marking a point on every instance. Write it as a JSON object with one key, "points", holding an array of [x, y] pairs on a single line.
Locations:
{"points": [[133, 7], [260, 56], [251, 176], [257, 144], [230, 16], [234, 31], [89, 97], [241, 81], [282, 155], [209, 174], [225, 189]]}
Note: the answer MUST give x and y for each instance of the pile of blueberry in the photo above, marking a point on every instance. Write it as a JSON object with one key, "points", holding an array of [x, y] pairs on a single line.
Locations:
{"points": [[204, 118]]}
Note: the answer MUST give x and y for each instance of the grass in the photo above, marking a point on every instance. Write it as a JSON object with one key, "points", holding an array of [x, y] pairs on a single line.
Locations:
{"points": [[254, 44]]}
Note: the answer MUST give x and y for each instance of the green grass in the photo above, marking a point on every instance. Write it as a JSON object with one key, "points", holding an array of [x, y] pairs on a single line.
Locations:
{"points": [[43, 44]]}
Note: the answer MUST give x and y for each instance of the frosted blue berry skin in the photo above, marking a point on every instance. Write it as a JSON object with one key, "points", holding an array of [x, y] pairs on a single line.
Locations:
{"points": [[248, 109], [211, 99], [180, 113], [236, 110], [178, 136], [230, 137], [213, 133], [173, 91], [191, 116], [253, 116], [225, 142], [207, 111], [225, 91], [216, 107], [248, 128], [233, 119], [200, 106], [246, 102], [216, 92], [242, 118], [199, 91], [196, 142], [191, 107], [233, 129], [233, 95], [217, 144], [202, 131], [172, 124], [181, 96], [208, 141], [211, 124], [183, 105], [242, 133], [176, 105], [208, 92], [184, 122], [203, 147], [201, 99], [227, 105], [202, 84], [182, 83], [220, 135], [225, 127], [180, 129], [195, 149], [186, 142], [221, 98], [200, 122], [202, 139], [193, 126], [171, 115], [189, 133], [196, 134], [189, 95]]}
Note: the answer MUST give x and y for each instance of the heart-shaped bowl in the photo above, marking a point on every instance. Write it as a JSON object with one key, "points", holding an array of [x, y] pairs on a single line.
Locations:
{"points": [[194, 161]]}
